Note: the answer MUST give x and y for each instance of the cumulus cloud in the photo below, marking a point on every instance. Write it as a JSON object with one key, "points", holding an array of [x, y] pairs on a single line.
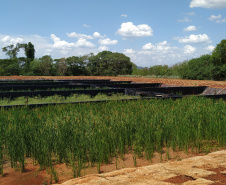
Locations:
{"points": [[162, 47], [188, 49], [107, 41], [210, 48], [65, 47], [128, 29], [208, 4], [83, 36], [129, 51], [7, 40], [79, 36], [103, 48], [60, 43], [190, 28], [194, 39], [216, 18], [84, 43], [52, 45], [149, 46], [97, 35]]}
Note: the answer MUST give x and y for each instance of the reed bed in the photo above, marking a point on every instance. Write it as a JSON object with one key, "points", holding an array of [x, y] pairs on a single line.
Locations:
{"points": [[94, 134]]}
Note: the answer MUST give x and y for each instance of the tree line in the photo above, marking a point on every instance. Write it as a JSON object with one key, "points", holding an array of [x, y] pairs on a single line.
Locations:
{"points": [[107, 63], [206, 67]]}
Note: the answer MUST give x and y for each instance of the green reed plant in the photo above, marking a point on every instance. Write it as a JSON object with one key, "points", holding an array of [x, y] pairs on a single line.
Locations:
{"points": [[95, 133], [61, 99]]}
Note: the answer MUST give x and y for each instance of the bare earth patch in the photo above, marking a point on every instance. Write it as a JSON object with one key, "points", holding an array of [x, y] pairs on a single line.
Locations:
{"points": [[181, 168], [196, 170]]}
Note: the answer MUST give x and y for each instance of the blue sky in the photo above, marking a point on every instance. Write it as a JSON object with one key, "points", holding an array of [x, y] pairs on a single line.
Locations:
{"points": [[150, 32]]}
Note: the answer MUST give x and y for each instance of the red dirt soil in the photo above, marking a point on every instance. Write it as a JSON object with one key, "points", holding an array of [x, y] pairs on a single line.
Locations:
{"points": [[178, 82], [34, 176]]}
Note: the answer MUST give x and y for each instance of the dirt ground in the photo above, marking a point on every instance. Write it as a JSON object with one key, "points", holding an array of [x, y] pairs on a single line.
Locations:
{"points": [[34, 176], [212, 84]]}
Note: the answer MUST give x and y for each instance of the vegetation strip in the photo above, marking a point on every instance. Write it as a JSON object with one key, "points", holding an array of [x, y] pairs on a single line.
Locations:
{"points": [[93, 134]]}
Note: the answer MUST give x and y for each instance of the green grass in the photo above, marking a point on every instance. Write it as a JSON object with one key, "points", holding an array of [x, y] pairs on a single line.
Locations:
{"points": [[96, 133], [61, 99]]}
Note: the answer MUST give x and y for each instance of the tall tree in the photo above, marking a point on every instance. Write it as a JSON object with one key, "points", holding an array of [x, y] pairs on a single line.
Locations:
{"points": [[219, 61], [45, 65], [12, 50], [29, 51], [61, 66]]}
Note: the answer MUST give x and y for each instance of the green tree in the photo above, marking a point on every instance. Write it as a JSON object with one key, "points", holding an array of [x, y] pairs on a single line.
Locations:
{"points": [[61, 66], [12, 50], [77, 65], [159, 70], [30, 55], [107, 63], [45, 65], [9, 67], [29, 51], [218, 59]]}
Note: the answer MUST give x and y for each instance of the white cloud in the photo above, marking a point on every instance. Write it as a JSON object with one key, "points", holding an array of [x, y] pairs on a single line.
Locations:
{"points": [[194, 39], [208, 4], [128, 29], [107, 42], [52, 45], [160, 53], [214, 17], [83, 36], [129, 51], [217, 18], [162, 47], [190, 28], [97, 35], [221, 21], [65, 47], [210, 48], [79, 36], [103, 48], [188, 49], [7, 40], [124, 15], [60, 43], [149, 46], [84, 43]]}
